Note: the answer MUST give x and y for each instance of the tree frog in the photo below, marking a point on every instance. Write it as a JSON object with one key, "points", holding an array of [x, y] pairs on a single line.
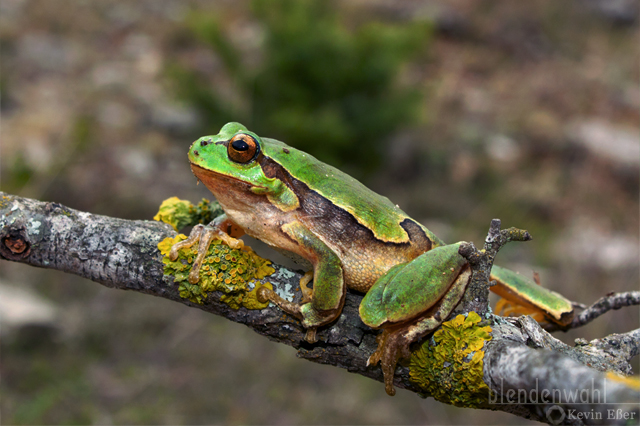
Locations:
{"points": [[353, 238]]}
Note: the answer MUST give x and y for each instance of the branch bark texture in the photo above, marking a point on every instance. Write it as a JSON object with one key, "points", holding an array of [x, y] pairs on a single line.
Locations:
{"points": [[520, 357]]}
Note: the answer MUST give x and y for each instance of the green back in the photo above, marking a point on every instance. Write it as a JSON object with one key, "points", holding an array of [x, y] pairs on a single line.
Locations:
{"points": [[372, 210]]}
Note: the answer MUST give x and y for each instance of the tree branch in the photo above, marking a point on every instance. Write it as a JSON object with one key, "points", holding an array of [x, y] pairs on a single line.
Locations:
{"points": [[520, 356]]}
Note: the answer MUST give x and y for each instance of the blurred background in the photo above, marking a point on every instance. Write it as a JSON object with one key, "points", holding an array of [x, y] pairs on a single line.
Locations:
{"points": [[459, 111]]}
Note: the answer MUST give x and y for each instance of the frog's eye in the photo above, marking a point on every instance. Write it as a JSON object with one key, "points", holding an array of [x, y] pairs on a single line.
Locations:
{"points": [[242, 148]]}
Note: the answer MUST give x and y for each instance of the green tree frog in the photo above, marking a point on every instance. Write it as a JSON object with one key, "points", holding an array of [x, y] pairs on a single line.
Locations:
{"points": [[353, 238]]}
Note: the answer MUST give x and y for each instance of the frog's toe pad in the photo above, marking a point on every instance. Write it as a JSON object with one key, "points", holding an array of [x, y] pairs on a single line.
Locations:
{"points": [[310, 337], [194, 275], [238, 244], [262, 294]]}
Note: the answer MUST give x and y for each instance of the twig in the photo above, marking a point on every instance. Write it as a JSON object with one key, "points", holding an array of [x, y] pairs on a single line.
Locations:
{"points": [[601, 306], [604, 304], [476, 298]]}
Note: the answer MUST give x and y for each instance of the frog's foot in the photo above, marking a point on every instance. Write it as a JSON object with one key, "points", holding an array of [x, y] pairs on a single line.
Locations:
{"points": [[311, 318], [265, 294], [203, 234], [393, 345], [306, 291]]}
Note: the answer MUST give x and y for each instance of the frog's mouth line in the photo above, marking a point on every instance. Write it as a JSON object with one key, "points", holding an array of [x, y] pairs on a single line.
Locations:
{"points": [[202, 174]]}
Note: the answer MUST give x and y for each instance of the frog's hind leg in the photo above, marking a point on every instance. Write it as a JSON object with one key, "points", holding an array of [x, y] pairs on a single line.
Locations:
{"points": [[393, 342], [323, 304], [526, 297]]}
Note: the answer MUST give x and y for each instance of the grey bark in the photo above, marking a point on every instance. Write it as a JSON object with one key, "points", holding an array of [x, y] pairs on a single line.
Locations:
{"points": [[521, 356]]}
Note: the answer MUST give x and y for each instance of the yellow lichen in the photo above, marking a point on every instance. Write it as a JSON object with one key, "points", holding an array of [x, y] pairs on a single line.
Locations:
{"points": [[218, 273], [180, 213], [632, 382], [4, 202], [451, 369], [175, 212]]}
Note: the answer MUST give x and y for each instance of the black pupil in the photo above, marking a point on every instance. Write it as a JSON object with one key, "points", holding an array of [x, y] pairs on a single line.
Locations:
{"points": [[240, 145]]}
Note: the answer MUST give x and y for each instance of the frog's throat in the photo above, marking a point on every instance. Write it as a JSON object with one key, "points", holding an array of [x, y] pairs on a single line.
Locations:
{"points": [[212, 179]]}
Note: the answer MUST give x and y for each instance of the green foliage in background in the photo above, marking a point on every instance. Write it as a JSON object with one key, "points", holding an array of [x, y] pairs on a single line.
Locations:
{"points": [[319, 86]]}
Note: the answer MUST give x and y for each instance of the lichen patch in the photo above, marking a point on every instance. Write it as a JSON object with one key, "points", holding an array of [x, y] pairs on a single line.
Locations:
{"points": [[449, 366], [230, 271]]}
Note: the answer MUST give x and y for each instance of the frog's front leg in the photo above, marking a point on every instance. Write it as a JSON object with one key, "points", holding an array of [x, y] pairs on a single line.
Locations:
{"points": [[220, 228], [328, 293], [412, 300]]}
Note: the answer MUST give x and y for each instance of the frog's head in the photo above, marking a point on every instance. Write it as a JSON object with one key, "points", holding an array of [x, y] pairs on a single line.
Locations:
{"points": [[230, 160]]}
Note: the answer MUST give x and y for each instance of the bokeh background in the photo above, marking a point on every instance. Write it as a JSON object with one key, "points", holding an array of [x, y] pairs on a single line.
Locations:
{"points": [[459, 111]]}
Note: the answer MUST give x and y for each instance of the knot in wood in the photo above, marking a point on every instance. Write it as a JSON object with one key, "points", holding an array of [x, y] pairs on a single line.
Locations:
{"points": [[15, 244]]}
